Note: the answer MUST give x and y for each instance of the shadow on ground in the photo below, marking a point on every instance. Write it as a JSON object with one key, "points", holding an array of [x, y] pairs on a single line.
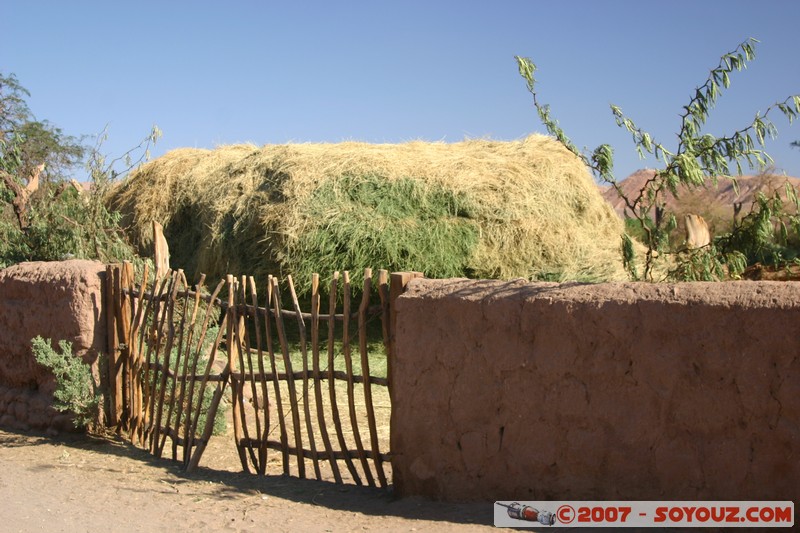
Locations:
{"points": [[352, 498]]}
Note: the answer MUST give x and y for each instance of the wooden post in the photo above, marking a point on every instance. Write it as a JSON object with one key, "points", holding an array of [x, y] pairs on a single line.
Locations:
{"points": [[137, 355], [124, 335], [114, 397]]}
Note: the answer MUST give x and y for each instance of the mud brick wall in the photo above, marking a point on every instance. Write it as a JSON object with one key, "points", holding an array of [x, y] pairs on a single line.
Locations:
{"points": [[57, 300], [513, 390]]}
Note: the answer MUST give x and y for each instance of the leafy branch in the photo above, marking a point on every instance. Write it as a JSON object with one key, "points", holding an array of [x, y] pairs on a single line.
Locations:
{"points": [[698, 157]]}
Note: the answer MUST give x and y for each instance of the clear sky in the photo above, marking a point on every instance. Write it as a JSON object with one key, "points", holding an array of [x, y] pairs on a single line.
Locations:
{"points": [[220, 72]]}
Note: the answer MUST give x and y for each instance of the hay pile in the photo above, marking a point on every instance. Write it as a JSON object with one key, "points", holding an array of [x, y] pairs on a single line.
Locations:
{"points": [[476, 208]]}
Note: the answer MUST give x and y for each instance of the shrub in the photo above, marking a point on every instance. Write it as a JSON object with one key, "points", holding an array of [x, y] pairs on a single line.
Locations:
{"points": [[76, 389]]}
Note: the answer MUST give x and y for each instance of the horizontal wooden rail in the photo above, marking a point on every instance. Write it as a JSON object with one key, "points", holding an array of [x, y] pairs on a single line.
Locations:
{"points": [[298, 375]]}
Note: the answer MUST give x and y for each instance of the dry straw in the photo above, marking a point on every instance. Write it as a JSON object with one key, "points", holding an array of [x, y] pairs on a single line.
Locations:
{"points": [[475, 208]]}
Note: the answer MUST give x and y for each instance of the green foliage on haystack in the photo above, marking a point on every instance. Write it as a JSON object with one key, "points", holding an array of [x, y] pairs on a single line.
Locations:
{"points": [[476, 208]]}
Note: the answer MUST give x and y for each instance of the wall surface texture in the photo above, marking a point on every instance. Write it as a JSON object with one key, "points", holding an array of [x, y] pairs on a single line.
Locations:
{"points": [[520, 391], [57, 300]]}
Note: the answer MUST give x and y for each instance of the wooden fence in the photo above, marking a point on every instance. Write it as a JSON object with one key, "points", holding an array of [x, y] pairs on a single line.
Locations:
{"points": [[178, 353]]}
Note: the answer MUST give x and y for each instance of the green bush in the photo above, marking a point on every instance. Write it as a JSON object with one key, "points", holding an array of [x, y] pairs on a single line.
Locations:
{"points": [[76, 390]]}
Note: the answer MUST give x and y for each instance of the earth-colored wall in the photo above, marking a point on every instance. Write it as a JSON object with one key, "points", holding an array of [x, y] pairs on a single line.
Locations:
{"points": [[57, 300], [520, 391]]}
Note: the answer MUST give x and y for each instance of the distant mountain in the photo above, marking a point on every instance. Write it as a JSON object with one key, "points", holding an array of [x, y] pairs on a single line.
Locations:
{"points": [[715, 203]]}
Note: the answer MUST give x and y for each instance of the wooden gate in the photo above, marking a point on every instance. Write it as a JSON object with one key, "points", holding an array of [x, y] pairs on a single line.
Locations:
{"points": [[301, 383]]}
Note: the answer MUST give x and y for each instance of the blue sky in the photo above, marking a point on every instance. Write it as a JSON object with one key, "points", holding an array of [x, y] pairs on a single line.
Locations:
{"points": [[213, 72]]}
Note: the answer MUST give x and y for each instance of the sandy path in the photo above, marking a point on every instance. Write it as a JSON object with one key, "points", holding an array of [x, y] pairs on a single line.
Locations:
{"points": [[81, 484]]}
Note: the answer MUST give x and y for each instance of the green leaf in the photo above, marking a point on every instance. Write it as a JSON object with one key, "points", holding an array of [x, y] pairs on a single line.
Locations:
{"points": [[672, 223], [647, 142], [791, 193], [526, 69]]}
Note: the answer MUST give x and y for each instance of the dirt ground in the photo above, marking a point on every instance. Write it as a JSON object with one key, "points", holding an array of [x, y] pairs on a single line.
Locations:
{"points": [[75, 483]]}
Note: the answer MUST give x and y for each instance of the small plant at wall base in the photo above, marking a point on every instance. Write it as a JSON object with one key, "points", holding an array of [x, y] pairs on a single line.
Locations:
{"points": [[698, 159], [76, 390]]}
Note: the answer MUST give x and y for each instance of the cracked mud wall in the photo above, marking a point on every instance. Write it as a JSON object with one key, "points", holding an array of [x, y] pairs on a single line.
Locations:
{"points": [[514, 390], [57, 300]]}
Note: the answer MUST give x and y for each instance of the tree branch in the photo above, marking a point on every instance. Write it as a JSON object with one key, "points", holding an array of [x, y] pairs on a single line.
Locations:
{"points": [[21, 199]]}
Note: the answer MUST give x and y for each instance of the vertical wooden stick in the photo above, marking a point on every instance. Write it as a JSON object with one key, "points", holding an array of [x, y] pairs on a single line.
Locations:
{"points": [[192, 415], [113, 345], [383, 292], [188, 356], [180, 280], [363, 349], [124, 325], [170, 314], [243, 346], [348, 360], [315, 304], [156, 336], [233, 354], [219, 390], [287, 361], [137, 363], [332, 381], [262, 435], [304, 354], [148, 327], [171, 426], [275, 380]]}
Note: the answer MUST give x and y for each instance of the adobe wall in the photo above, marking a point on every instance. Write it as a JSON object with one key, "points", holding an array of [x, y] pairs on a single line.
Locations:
{"points": [[520, 391], [57, 300]]}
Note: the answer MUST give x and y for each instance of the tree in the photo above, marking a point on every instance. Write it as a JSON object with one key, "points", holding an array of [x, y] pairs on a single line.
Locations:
{"points": [[697, 160], [43, 216], [26, 143]]}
